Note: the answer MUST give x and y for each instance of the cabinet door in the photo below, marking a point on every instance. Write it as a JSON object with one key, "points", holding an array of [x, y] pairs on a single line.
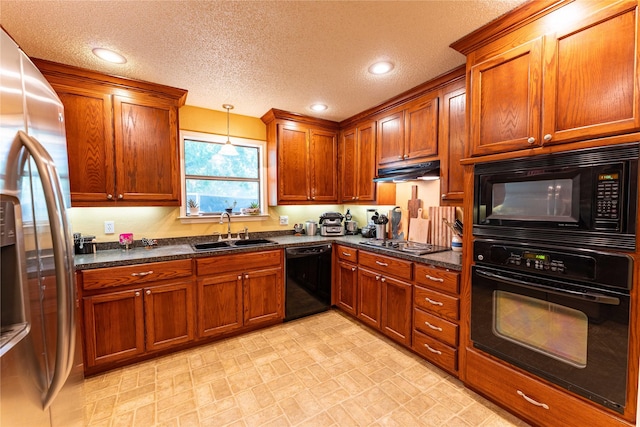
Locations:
{"points": [[348, 165], [347, 287], [369, 295], [390, 141], [366, 166], [219, 304], [169, 315], [88, 119], [263, 296], [453, 137], [113, 326], [396, 310], [591, 77], [421, 128], [323, 155], [293, 165], [146, 151], [506, 100]]}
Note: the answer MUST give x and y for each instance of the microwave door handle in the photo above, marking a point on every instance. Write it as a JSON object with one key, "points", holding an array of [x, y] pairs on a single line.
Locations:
{"points": [[549, 200], [64, 266], [588, 296]]}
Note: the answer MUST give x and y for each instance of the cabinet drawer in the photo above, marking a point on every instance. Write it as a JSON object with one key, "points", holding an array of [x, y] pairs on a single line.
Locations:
{"points": [[102, 278], [509, 388], [435, 327], [387, 265], [348, 254], [435, 351], [437, 278], [239, 262], [436, 302]]}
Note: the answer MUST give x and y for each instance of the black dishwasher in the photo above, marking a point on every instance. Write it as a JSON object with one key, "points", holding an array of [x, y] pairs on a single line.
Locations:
{"points": [[308, 284]]}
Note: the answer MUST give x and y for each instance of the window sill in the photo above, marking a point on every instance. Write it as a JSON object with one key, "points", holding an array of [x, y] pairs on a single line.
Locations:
{"points": [[189, 219]]}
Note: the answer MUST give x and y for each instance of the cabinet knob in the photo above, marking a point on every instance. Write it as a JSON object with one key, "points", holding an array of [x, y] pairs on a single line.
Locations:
{"points": [[444, 196], [137, 293], [109, 196], [240, 277], [377, 277], [148, 292], [353, 198], [313, 197], [548, 137], [406, 156], [531, 140], [357, 198], [246, 276], [383, 280], [308, 198], [353, 268], [400, 157], [120, 196]]}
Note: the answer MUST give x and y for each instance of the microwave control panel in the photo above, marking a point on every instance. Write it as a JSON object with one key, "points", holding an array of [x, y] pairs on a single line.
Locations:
{"points": [[608, 196]]}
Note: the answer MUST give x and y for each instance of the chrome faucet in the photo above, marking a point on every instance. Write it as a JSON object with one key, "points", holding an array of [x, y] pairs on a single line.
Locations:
{"points": [[228, 224]]}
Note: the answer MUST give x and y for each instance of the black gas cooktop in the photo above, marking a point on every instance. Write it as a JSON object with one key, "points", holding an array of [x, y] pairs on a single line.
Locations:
{"points": [[413, 248]]}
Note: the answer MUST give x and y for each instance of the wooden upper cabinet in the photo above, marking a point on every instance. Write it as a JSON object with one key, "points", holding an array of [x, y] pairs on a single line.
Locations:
{"points": [[421, 127], [390, 141], [505, 100], [452, 142], [568, 81], [358, 163], [122, 137], [592, 69], [302, 159]]}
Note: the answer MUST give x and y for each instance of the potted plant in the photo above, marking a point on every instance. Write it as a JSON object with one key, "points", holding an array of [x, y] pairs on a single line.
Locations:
{"points": [[253, 209], [194, 208], [229, 206]]}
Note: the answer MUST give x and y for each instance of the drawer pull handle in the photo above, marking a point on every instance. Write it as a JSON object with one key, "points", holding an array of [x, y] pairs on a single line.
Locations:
{"points": [[432, 350], [434, 279], [533, 402], [346, 254], [384, 264], [435, 328], [144, 273], [430, 301]]}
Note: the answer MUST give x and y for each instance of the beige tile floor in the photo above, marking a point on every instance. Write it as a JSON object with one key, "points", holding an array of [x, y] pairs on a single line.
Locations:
{"points": [[323, 370]]}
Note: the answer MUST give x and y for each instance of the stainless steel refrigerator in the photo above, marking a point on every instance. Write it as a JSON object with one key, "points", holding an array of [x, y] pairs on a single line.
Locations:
{"points": [[41, 371]]}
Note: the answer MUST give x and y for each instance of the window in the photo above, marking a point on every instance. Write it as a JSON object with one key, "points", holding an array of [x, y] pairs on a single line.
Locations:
{"points": [[215, 181]]}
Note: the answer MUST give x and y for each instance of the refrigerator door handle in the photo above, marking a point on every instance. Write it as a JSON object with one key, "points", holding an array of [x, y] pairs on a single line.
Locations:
{"points": [[63, 259]]}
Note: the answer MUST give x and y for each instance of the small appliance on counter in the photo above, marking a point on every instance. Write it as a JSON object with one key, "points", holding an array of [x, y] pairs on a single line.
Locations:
{"points": [[331, 224], [350, 226], [83, 244], [369, 230], [310, 228]]}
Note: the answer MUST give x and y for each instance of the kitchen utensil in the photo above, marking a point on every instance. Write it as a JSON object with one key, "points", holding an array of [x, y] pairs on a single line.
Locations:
{"points": [[396, 217], [368, 231], [452, 227], [441, 234], [83, 244], [375, 217], [310, 228], [414, 203], [381, 231], [419, 229]]}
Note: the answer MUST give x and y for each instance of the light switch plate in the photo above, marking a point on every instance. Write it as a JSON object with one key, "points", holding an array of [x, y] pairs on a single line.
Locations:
{"points": [[284, 220], [109, 227]]}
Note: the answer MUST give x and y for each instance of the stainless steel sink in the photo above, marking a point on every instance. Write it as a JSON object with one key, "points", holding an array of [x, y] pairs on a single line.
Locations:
{"points": [[230, 244]]}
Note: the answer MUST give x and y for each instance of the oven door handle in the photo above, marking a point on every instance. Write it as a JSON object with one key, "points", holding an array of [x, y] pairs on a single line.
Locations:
{"points": [[588, 296]]}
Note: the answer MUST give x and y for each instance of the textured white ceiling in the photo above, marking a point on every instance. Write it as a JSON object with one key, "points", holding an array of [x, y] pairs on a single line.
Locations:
{"points": [[257, 54]]}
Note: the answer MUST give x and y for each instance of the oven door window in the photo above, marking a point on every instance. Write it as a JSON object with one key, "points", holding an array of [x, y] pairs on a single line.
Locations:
{"points": [[551, 329]]}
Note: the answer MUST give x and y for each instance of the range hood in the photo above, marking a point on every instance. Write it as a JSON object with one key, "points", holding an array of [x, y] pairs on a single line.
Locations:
{"points": [[428, 170]]}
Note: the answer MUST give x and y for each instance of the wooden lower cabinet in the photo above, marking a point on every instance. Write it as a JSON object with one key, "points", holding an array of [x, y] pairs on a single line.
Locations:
{"points": [[369, 297], [531, 399], [236, 291], [347, 287], [120, 325]]}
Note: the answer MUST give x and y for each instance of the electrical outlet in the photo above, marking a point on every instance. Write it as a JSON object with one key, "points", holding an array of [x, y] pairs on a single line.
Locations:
{"points": [[284, 220], [109, 227]]}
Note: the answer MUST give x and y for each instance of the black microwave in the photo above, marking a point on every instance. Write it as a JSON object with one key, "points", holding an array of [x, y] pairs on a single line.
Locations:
{"points": [[585, 197]]}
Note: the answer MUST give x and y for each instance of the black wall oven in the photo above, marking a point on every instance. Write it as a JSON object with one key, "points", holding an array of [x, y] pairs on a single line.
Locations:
{"points": [[559, 313], [583, 197]]}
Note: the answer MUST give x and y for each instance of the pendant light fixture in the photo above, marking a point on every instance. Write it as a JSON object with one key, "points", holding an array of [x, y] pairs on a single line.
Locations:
{"points": [[228, 149]]}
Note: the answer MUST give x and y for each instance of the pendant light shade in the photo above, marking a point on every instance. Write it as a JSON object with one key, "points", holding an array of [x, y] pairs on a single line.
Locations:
{"points": [[228, 149]]}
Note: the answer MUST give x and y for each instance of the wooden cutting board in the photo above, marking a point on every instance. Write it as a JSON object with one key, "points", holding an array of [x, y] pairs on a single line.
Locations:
{"points": [[441, 234], [419, 229], [414, 203]]}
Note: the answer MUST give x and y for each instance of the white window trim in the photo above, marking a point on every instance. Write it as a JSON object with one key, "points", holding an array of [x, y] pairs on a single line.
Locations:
{"points": [[212, 137]]}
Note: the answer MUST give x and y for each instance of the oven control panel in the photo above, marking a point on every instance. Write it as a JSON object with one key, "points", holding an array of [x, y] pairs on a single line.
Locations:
{"points": [[557, 262]]}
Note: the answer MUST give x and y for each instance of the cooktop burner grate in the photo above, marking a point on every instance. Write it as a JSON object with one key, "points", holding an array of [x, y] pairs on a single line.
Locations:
{"points": [[413, 248]]}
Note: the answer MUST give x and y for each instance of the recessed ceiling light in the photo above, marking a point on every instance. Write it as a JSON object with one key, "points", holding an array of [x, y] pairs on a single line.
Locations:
{"points": [[381, 67], [109, 55], [319, 107]]}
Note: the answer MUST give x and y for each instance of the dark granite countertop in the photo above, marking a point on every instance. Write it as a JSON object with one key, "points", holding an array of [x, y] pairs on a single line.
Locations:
{"points": [[180, 248]]}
